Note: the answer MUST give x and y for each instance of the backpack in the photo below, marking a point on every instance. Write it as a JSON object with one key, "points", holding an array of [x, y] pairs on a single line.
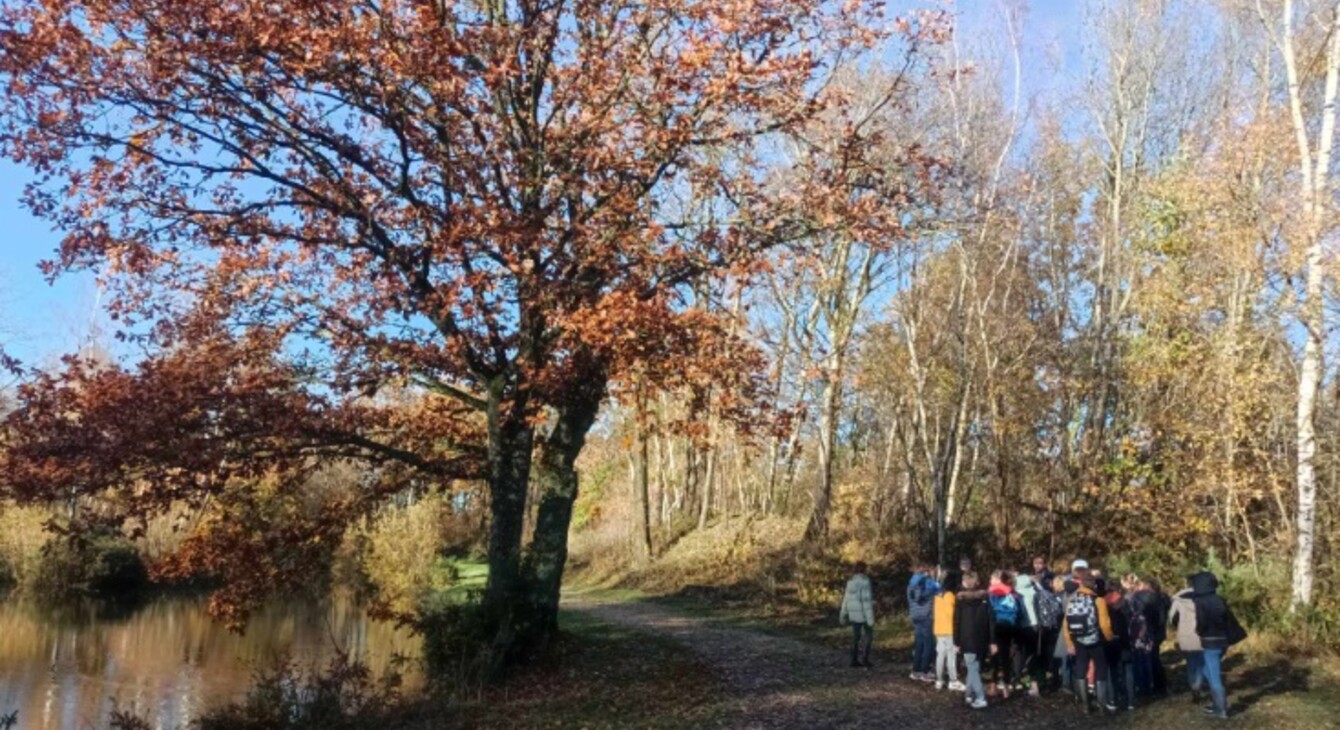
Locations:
{"points": [[1006, 607], [1048, 609], [1081, 619]]}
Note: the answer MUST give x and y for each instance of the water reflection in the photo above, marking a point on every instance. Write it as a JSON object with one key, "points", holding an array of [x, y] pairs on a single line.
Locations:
{"points": [[66, 667]]}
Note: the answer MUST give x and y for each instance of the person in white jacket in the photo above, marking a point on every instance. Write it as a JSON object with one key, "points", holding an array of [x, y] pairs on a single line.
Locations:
{"points": [[858, 610]]}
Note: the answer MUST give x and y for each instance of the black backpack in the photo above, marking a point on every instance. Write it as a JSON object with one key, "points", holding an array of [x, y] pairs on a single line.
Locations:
{"points": [[1048, 608], [1081, 619]]}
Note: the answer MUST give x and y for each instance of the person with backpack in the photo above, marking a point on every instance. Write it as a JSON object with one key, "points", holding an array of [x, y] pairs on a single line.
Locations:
{"points": [[1218, 630], [974, 636], [921, 592], [858, 610], [1053, 619], [1087, 629], [1028, 662], [1182, 619], [946, 658], [1149, 628], [1007, 608], [1118, 648]]}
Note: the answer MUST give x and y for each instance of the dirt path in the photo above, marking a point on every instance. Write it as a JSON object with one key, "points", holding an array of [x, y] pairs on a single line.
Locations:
{"points": [[777, 682]]}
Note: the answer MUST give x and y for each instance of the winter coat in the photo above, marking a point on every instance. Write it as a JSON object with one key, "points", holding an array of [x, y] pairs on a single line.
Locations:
{"points": [[921, 592], [858, 602], [1182, 618], [1028, 596], [1119, 613], [1216, 625], [944, 614], [974, 623], [1149, 612]]}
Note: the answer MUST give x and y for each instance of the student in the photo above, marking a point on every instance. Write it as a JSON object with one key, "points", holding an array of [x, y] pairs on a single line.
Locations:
{"points": [[1159, 634], [1218, 629], [921, 592], [1029, 665], [946, 658], [1042, 575], [858, 609], [1006, 606], [1087, 628], [1061, 590], [974, 636], [1119, 646], [1182, 618], [1149, 628]]}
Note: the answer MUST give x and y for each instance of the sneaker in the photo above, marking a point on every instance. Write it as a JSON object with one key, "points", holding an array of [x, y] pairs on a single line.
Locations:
{"points": [[979, 705], [939, 684], [957, 686], [1212, 712], [915, 676], [1033, 691], [927, 677]]}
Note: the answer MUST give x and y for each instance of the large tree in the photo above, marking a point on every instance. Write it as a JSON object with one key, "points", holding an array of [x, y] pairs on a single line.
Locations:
{"points": [[475, 198]]}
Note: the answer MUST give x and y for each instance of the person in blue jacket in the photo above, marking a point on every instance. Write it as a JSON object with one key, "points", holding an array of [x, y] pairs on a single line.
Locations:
{"points": [[921, 592]]}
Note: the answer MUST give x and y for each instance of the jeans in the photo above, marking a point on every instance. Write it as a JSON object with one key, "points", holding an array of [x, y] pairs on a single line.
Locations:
{"points": [[923, 650], [974, 667], [1195, 669], [946, 663], [1214, 677], [862, 636], [1142, 663]]}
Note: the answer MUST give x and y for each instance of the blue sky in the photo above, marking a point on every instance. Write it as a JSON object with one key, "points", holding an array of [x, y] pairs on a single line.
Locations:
{"points": [[39, 321]]}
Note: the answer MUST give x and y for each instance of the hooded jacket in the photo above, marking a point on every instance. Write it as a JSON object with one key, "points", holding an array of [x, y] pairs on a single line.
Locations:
{"points": [[921, 592], [858, 602], [1216, 625], [1028, 595], [974, 623], [1182, 618]]}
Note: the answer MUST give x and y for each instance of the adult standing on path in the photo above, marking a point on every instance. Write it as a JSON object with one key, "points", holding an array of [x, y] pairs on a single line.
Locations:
{"points": [[1218, 629], [1182, 618], [858, 610]]}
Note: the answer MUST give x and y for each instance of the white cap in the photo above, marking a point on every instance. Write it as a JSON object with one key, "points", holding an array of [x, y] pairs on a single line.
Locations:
{"points": [[1079, 563]]}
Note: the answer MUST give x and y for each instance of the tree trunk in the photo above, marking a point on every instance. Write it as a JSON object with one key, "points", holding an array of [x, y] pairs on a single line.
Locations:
{"points": [[510, 441], [823, 490], [557, 473], [644, 490], [1309, 382]]}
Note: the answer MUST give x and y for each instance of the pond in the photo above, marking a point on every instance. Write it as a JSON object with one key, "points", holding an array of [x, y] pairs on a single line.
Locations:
{"points": [[66, 667]]}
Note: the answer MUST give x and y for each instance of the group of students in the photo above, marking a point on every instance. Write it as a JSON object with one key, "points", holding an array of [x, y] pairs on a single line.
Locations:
{"points": [[1081, 632]]}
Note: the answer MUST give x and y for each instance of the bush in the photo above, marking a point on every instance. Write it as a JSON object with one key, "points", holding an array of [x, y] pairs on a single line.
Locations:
{"points": [[343, 697], [101, 564], [457, 651]]}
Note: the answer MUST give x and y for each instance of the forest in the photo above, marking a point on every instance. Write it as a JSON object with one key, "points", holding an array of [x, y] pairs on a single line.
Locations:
{"points": [[700, 297]]}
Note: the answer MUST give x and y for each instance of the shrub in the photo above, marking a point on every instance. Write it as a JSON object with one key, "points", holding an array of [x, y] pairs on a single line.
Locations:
{"points": [[343, 697], [102, 563]]}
